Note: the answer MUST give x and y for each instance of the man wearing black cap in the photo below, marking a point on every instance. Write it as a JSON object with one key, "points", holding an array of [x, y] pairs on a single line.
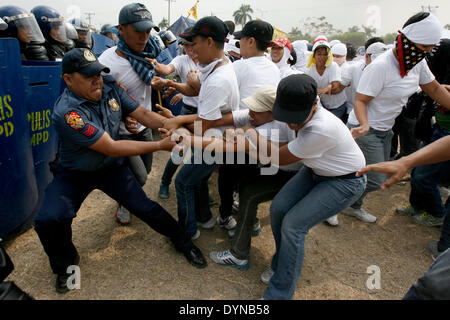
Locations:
{"points": [[219, 95], [128, 65], [87, 117], [325, 185], [252, 72]]}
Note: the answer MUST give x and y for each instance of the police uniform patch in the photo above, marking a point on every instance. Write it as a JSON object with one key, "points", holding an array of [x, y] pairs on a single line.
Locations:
{"points": [[74, 120], [89, 56], [113, 105]]}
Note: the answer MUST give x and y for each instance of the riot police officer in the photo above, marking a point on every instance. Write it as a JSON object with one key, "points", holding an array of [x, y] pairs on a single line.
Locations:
{"points": [[54, 31], [84, 33], [86, 118], [23, 26], [110, 31]]}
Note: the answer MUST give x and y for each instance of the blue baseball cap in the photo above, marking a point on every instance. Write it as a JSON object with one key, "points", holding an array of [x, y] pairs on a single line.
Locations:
{"points": [[137, 15], [82, 61]]}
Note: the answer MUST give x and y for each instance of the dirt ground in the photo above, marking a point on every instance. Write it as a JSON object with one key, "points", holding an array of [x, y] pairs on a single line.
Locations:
{"points": [[135, 262]]}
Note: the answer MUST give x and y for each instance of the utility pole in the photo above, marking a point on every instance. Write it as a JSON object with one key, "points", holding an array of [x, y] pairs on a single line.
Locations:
{"points": [[89, 14], [168, 15]]}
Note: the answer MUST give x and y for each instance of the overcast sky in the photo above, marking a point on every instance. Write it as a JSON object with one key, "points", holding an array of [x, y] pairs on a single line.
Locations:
{"points": [[387, 15]]}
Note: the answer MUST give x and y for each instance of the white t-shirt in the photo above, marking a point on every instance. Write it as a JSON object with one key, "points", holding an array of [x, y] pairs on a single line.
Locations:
{"points": [[123, 72], [351, 74], [253, 73], [183, 64], [331, 74], [274, 131], [327, 147], [219, 92], [381, 80]]}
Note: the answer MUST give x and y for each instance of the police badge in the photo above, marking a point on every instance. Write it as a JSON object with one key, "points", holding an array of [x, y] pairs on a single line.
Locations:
{"points": [[89, 56], [113, 105]]}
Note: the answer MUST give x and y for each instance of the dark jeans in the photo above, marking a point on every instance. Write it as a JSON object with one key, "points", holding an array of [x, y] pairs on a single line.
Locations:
{"points": [[140, 165], [171, 168], [425, 193], [444, 242], [66, 193], [254, 189], [340, 112], [435, 284]]}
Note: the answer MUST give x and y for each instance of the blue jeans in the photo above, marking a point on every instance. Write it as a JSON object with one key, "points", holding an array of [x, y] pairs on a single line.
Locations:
{"points": [[376, 147], [305, 201], [171, 168], [425, 193], [191, 185]]}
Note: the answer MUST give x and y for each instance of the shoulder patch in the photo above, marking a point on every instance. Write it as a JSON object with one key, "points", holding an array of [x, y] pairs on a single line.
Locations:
{"points": [[74, 120]]}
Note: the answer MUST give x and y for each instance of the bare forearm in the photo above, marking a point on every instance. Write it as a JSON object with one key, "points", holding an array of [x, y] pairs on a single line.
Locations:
{"points": [[361, 112], [151, 120], [441, 96], [438, 151], [183, 88]]}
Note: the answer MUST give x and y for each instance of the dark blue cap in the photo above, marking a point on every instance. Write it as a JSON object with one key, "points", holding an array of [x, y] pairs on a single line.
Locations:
{"points": [[137, 15], [82, 61]]}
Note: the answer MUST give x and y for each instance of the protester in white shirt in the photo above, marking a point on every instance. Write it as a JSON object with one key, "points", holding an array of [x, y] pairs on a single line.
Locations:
{"points": [[254, 187], [133, 43], [254, 70], [219, 94], [281, 55], [384, 89], [327, 74], [180, 66], [301, 48], [325, 185]]}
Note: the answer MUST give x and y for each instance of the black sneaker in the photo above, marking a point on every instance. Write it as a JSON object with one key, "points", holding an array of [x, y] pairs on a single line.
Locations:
{"points": [[195, 257], [61, 283]]}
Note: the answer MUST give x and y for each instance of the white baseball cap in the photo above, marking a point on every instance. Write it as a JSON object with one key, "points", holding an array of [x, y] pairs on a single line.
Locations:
{"points": [[376, 49], [320, 41]]}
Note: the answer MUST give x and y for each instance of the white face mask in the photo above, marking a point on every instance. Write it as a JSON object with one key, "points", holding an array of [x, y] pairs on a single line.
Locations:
{"points": [[340, 61]]}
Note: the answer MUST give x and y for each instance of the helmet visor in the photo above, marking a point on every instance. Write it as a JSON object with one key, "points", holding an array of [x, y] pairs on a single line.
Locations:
{"points": [[85, 37], [71, 32], [58, 29], [27, 28]]}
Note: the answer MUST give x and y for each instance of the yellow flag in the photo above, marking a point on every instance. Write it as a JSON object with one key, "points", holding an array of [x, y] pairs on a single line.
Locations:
{"points": [[193, 11], [277, 33]]}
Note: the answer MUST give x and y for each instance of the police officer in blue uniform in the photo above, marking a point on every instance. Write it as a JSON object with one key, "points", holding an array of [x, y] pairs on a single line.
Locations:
{"points": [[86, 117]]}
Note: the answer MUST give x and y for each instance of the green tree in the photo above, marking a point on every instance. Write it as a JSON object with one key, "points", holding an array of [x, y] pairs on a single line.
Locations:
{"points": [[242, 15], [370, 32], [296, 34], [355, 38], [390, 38], [354, 29], [318, 26], [163, 24]]}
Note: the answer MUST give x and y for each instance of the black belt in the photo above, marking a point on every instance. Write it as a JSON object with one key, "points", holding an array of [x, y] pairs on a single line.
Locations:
{"points": [[192, 109], [348, 176]]}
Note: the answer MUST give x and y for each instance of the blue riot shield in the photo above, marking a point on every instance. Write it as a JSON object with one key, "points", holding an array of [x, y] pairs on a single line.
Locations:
{"points": [[101, 43], [42, 84], [18, 189]]}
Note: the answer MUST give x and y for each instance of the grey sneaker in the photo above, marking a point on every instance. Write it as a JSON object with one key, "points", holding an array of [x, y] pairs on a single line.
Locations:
{"points": [[123, 216], [361, 214], [208, 224], [229, 222], [225, 258], [267, 275], [429, 220], [433, 249], [408, 211]]}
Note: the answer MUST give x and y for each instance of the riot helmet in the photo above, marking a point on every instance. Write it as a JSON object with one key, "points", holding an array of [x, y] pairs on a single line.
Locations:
{"points": [[110, 31], [21, 25], [51, 23], [84, 33], [167, 38]]}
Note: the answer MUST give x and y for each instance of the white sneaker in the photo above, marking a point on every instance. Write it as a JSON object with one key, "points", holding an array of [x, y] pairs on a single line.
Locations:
{"points": [[361, 214], [208, 224], [229, 222], [225, 258], [445, 192], [267, 275], [123, 216], [196, 235], [333, 221]]}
